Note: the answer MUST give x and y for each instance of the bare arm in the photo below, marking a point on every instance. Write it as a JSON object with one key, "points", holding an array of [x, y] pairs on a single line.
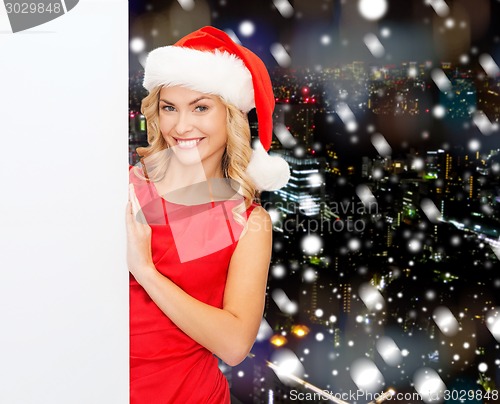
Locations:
{"points": [[228, 332]]}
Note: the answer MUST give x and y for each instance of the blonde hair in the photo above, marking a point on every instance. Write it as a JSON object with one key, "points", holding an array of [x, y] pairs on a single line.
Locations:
{"points": [[234, 160]]}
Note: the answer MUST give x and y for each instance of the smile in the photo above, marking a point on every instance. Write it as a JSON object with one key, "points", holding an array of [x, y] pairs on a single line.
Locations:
{"points": [[188, 143]]}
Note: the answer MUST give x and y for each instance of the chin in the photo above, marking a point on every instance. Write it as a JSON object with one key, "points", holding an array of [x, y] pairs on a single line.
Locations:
{"points": [[187, 157]]}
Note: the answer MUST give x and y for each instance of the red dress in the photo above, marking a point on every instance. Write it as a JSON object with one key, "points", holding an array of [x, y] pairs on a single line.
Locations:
{"points": [[166, 365]]}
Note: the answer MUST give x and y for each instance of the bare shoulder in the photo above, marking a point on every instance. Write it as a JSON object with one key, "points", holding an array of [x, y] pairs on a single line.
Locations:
{"points": [[253, 252], [259, 221]]}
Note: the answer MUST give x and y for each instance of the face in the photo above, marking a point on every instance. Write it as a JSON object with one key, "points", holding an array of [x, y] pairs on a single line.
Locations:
{"points": [[194, 125]]}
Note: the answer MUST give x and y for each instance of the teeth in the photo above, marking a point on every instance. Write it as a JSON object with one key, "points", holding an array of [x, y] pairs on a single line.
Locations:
{"points": [[187, 143]]}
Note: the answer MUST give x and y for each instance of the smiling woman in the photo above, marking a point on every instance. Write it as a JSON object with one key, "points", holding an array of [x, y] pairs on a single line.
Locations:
{"points": [[196, 124], [198, 244]]}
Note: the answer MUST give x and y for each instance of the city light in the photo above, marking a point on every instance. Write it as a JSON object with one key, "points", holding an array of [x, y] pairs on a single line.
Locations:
{"points": [[300, 330], [278, 340]]}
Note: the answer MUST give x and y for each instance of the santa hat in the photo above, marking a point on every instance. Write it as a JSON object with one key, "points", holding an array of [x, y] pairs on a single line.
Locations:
{"points": [[208, 61]]}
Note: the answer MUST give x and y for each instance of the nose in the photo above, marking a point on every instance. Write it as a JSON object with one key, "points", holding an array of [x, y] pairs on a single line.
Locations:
{"points": [[184, 123]]}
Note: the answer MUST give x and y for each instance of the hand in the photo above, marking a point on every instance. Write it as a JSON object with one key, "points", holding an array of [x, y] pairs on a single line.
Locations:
{"points": [[139, 256]]}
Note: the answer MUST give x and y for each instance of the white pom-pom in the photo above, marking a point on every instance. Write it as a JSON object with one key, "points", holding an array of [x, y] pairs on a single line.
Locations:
{"points": [[268, 173]]}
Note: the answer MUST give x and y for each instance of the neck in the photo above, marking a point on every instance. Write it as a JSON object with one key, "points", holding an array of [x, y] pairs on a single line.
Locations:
{"points": [[191, 184], [180, 175]]}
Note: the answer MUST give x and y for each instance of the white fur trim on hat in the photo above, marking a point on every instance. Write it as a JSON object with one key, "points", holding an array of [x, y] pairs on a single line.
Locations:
{"points": [[219, 73], [268, 173]]}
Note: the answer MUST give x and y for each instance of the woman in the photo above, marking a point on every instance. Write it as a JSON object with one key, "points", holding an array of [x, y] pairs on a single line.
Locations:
{"points": [[198, 246]]}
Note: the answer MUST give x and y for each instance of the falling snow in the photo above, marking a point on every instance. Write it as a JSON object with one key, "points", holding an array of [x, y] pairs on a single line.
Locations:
{"points": [[187, 5], [247, 28], [374, 45], [439, 111], [137, 45], [441, 80], [439, 6], [488, 64], [311, 244], [280, 54], [372, 9], [283, 302], [429, 384], [381, 144], [446, 321], [366, 375], [284, 7], [483, 123]]}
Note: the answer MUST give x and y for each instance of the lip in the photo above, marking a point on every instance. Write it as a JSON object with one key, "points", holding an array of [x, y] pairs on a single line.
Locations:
{"points": [[188, 143]]}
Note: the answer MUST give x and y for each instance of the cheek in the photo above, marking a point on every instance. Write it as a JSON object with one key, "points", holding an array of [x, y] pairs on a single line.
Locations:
{"points": [[218, 128], [220, 134], [221, 130], [165, 127], [215, 131]]}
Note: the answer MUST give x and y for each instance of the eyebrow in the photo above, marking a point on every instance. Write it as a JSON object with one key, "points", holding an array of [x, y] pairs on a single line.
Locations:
{"points": [[203, 97]]}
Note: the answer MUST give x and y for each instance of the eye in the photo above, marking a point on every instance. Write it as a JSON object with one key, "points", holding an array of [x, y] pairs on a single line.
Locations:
{"points": [[201, 108], [168, 108]]}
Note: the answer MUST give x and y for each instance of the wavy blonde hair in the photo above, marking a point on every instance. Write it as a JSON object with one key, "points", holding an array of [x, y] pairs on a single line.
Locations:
{"points": [[234, 160]]}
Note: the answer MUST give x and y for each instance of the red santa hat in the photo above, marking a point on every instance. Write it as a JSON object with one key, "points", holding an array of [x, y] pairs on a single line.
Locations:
{"points": [[208, 61]]}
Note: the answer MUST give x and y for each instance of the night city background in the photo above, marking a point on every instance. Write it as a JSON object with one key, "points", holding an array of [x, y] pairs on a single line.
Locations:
{"points": [[385, 272]]}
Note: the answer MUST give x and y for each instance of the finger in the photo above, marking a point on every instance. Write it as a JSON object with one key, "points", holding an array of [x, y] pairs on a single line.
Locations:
{"points": [[128, 210], [136, 206], [129, 215]]}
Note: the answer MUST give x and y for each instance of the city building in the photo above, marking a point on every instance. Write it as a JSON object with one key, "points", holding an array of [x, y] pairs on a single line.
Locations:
{"points": [[305, 192]]}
